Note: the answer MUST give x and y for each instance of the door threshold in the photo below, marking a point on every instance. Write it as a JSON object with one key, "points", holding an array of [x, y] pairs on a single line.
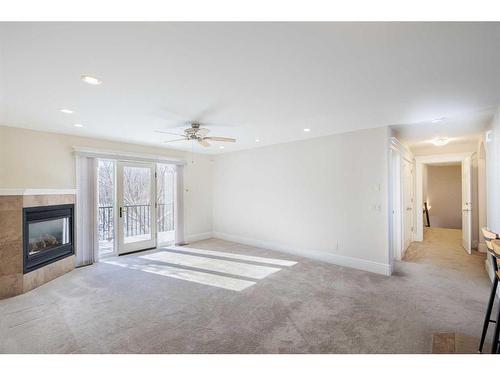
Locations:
{"points": [[137, 251]]}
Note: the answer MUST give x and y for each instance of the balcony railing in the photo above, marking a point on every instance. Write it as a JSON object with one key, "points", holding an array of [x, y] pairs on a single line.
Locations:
{"points": [[136, 220], [106, 223]]}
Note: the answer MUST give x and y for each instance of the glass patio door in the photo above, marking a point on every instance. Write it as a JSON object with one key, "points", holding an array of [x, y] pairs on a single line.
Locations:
{"points": [[136, 206]]}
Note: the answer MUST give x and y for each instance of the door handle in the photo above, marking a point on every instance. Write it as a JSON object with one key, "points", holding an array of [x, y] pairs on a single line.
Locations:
{"points": [[120, 211], [408, 208]]}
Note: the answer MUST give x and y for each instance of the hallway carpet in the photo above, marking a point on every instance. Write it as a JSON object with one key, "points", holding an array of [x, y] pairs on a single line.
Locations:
{"points": [[223, 297]]}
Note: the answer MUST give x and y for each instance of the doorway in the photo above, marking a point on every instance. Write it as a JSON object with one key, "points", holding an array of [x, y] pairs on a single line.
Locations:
{"points": [[465, 193], [407, 204], [136, 206], [402, 200]]}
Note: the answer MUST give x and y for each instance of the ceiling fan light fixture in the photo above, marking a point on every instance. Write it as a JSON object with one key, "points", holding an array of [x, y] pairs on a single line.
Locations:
{"points": [[307, 130]]}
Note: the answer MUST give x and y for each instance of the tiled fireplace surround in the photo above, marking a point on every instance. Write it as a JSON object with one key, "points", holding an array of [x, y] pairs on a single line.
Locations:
{"points": [[12, 279]]}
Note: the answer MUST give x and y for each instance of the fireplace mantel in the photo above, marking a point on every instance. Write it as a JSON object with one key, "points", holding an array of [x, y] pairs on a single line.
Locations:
{"points": [[8, 192]]}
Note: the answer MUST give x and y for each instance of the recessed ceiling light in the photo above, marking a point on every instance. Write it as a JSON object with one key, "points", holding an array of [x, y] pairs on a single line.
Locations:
{"points": [[257, 140], [221, 147], [91, 80], [67, 111], [438, 120], [440, 141], [307, 130], [78, 126]]}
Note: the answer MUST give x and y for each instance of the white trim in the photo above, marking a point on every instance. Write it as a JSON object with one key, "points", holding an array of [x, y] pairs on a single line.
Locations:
{"points": [[126, 156], [179, 205], [122, 246], [37, 191], [402, 149], [199, 236], [398, 155], [340, 260]]}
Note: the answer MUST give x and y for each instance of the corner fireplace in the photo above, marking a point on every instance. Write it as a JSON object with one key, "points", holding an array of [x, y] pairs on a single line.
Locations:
{"points": [[47, 235]]}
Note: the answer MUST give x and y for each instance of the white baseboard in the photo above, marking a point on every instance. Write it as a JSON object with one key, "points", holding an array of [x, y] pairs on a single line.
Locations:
{"points": [[198, 236], [340, 260]]}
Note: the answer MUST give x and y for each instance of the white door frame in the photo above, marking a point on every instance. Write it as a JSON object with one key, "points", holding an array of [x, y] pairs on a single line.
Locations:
{"points": [[420, 161], [398, 154]]}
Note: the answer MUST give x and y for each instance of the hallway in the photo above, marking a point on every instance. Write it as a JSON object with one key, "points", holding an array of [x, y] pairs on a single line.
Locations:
{"points": [[442, 247], [457, 278]]}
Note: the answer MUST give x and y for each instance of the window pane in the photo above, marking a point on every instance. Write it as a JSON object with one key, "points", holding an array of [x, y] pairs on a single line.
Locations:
{"points": [[105, 191], [137, 204]]}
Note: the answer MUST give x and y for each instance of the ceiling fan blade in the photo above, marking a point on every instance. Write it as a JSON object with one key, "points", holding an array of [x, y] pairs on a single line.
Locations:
{"points": [[202, 132], [218, 125], [204, 143], [166, 132], [176, 140], [220, 139]]}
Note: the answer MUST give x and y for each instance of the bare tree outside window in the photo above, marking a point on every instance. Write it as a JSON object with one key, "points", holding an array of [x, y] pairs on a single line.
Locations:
{"points": [[105, 194]]}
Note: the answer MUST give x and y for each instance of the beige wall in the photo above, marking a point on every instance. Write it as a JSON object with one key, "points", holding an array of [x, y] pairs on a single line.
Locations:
{"points": [[324, 198], [39, 160], [444, 194]]}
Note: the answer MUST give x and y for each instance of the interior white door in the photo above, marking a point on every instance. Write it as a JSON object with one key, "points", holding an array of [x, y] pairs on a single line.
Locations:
{"points": [[466, 204], [136, 197], [407, 204]]}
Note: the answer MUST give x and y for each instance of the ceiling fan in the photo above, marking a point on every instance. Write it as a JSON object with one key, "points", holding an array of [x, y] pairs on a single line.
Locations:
{"points": [[196, 133]]}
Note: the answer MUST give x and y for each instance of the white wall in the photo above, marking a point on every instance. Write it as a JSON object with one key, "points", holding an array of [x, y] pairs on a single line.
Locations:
{"points": [[492, 146], [325, 198], [32, 159], [481, 196], [475, 199], [444, 194], [491, 141]]}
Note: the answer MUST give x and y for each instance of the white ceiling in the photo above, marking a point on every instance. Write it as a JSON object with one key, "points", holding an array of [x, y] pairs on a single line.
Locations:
{"points": [[461, 128], [261, 80]]}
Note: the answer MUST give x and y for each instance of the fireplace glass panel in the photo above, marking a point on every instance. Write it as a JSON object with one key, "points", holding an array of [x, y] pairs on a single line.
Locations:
{"points": [[48, 234]]}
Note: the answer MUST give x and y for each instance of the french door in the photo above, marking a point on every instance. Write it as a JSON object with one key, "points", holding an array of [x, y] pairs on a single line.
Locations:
{"points": [[136, 204]]}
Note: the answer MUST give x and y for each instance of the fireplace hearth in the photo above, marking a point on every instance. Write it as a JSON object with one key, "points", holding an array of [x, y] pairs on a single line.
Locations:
{"points": [[47, 235]]}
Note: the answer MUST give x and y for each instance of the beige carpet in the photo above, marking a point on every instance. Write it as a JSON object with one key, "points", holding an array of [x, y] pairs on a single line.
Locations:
{"points": [[442, 247], [222, 297]]}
